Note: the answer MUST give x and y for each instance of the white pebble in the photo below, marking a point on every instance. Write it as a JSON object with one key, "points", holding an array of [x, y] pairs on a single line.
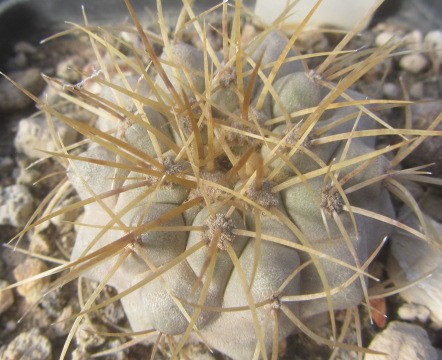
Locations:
{"points": [[402, 341], [391, 91], [413, 63], [416, 259], [10, 325], [411, 312], [433, 43], [386, 37], [16, 205], [26, 346], [413, 40], [33, 135]]}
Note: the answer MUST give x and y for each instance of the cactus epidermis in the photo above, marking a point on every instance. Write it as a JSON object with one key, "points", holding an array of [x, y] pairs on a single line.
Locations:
{"points": [[231, 197]]}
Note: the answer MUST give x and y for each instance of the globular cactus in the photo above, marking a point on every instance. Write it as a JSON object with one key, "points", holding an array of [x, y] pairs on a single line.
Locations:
{"points": [[230, 197]]}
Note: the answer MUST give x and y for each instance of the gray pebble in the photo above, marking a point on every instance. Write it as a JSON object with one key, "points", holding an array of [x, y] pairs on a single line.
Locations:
{"points": [[19, 61], [54, 302], [6, 163], [24, 47], [417, 90], [11, 98]]}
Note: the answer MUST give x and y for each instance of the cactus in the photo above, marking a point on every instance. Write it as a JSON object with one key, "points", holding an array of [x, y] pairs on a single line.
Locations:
{"points": [[230, 197]]}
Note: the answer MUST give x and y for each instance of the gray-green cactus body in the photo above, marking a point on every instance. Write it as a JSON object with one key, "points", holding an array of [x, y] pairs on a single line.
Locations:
{"points": [[297, 91], [219, 230], [137, 133], [258, 236], [225, 101], [184, 67], [237, 332]]}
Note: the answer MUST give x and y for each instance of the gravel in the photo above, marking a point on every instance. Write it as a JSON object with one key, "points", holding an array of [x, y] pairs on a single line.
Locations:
{"points": [[28, 345], [16, 205], [17, 202], [402, 341]]}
